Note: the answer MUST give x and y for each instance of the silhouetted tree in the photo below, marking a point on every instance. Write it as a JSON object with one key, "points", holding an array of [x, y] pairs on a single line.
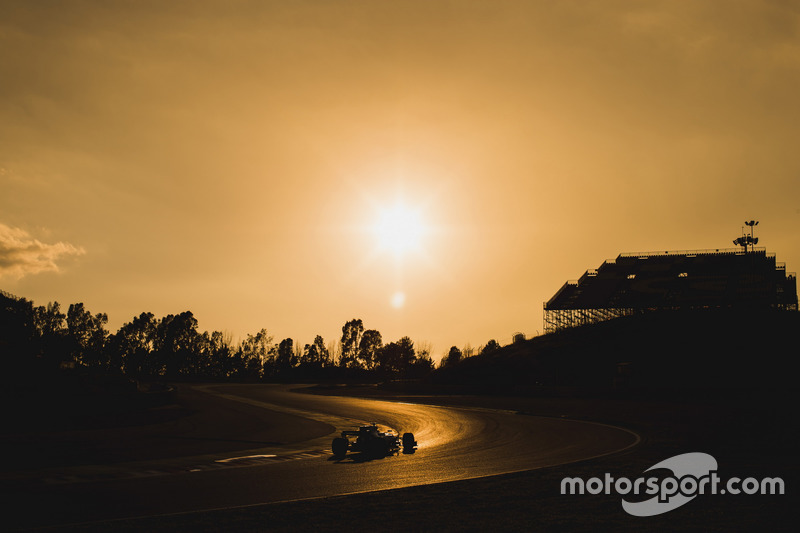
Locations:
{"points": [[369, 349], [49, 320], [132, 346], [398, 357], [176, 344], [51, 334], [322, 351], [491, 347], [172, 347], [17, 337], [423, 365], [256, 356], [87, 336], [408, 355], [217, 355], [315, 355], [334, 352], [351, 339], [453, 357], [285, 359]]}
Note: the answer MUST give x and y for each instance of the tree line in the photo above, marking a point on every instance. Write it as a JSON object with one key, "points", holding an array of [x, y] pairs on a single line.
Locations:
{"points": [[37, 339]]}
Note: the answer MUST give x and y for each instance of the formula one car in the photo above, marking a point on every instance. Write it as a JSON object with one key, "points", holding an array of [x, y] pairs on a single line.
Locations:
{"points": [[368, 440]]}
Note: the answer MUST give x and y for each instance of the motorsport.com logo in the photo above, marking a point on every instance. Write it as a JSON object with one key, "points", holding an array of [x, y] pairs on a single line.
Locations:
{"points": [[692, 474]]}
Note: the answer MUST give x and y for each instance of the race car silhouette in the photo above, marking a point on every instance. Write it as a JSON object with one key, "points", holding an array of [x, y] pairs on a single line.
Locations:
{"points": [[369, 440]]}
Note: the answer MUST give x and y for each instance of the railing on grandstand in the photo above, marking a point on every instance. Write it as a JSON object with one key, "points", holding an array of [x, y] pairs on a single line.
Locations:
{"points": [[718, 251]]}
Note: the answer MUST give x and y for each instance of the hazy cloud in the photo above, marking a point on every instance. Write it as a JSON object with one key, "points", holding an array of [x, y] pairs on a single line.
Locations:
{"points": [[20, 254]]}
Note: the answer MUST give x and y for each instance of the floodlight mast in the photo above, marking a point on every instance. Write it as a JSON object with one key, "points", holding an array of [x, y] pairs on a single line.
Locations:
{"points": [[746, 240], [752, 240]]}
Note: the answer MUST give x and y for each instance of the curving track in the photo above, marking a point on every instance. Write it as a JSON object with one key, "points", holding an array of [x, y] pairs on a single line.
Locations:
{"points": [[454, 444]]}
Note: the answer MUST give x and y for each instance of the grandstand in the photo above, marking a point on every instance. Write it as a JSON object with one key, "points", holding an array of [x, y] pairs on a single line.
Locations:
{"points": [[698, 279]]}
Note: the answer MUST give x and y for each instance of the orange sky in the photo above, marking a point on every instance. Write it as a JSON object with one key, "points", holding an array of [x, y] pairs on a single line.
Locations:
{"points": [[232, 158]]}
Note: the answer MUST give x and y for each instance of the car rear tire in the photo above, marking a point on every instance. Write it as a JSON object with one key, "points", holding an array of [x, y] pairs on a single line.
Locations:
{"points": [[408, 441], [339, 446]]}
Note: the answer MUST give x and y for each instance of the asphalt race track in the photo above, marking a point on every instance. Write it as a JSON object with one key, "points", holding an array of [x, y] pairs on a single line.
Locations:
{"points": [[454, 444]]}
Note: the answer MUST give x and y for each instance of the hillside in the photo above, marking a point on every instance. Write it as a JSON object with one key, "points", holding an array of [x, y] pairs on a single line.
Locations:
{"points": [[697, 350]]}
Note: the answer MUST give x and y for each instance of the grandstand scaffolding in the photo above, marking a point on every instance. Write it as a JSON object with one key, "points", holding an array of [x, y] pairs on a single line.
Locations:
{"points": [[688, 279]]}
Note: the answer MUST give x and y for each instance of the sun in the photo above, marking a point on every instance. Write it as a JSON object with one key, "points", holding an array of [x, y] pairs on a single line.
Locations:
{"points": [[398, 299], [399, 229]]}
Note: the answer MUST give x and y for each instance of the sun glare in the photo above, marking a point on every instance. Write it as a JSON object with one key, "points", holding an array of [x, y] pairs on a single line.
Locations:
{"points": [[398, 299], [399, 229]]}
